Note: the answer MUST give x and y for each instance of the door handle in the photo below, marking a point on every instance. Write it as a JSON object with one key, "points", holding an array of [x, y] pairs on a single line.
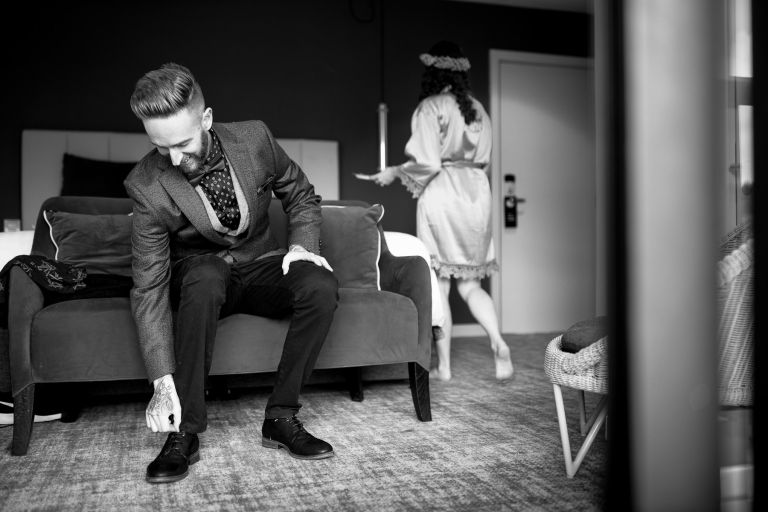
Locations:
{"points": [[511, 201]]}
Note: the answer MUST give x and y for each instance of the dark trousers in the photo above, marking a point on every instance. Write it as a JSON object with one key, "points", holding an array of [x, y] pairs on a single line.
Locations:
{"points": [[205, 288]]}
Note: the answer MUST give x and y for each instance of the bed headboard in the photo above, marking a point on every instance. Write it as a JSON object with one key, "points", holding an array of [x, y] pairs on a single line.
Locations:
{"points": [[42, 152]]}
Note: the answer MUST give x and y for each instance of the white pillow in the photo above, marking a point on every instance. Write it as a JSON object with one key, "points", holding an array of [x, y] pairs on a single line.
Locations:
{"points": [[14, 243], [404, 244]]}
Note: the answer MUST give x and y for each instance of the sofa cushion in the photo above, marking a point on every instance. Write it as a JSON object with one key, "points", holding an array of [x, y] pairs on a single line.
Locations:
{"points": [[584, 333], [88, 177], [365, 317], [351, 242], [65, 348], [100, 242]]}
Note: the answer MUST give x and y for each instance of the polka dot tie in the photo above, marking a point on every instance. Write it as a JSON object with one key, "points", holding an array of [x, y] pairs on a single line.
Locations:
{"points": [[220, 191], [218, 187]]}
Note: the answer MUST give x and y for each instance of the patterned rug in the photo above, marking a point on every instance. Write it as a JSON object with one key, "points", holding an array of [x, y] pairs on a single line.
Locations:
{"points": [[491, 446]]}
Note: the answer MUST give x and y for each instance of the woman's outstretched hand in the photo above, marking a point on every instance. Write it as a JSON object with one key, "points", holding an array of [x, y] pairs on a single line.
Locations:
{"points": [[381, 178]]}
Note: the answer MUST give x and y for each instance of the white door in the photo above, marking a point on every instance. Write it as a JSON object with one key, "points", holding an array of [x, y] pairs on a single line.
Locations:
{"points": [[543, 121]]}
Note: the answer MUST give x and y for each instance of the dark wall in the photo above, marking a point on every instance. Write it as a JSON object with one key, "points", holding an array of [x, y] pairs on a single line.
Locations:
{"points": [[308, 68]]}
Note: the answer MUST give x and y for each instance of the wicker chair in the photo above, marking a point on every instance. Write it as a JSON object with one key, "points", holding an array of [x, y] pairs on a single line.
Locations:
{"points": [[736, 362], [585, 370], [735, 300]]}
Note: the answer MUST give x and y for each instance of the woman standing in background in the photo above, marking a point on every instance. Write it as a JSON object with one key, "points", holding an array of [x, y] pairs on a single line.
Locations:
{"points": [[448, 155]]}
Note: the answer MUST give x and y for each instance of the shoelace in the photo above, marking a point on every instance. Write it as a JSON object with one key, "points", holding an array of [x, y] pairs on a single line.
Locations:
{"points": [[175, 443], [300, 430]]}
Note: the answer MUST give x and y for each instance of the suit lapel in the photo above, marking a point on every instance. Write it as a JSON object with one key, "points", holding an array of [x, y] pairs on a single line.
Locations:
{"points": [[249, 174], [188, 201]]}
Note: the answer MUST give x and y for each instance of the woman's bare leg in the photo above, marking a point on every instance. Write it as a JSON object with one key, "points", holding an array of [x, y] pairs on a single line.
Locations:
{"points": [[482, 308], [443, 370]]}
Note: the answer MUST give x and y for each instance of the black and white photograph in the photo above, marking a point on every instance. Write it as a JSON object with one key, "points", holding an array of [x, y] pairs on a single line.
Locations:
{"points": [[383, 255]]}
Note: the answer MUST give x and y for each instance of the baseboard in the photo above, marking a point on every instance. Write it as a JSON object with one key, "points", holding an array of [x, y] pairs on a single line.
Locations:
{"points": [[467, 331], [475, 331]]}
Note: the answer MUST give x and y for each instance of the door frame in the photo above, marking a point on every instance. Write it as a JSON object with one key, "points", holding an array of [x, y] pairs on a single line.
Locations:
{"points": [[495, 59]]}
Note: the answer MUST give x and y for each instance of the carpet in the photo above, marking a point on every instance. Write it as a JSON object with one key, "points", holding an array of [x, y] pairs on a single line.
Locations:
{"points": [[491, 446]]}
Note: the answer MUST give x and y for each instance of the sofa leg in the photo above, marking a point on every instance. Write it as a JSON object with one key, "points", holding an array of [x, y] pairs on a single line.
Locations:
{"points": [[355, 383], [218, 388], [23, 419], [419, 378]]}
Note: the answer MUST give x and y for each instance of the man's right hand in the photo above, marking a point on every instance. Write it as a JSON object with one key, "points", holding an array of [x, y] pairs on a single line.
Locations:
{"points": [[164, 410]]}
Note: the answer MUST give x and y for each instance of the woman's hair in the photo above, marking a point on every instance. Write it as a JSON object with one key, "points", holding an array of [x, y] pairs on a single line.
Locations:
{"points": [[446, 65], [434, 80], [165, 91]]}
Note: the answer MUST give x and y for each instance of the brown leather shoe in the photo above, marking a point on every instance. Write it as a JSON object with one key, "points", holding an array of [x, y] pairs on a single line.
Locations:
{"points": [[180, 451], [289, 434]]}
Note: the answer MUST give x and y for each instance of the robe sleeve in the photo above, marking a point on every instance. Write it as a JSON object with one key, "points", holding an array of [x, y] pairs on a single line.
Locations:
{"points": [[422, 149]]}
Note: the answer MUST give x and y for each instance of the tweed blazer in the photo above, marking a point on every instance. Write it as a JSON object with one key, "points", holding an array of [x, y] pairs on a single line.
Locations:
{"points": [[170, 223]]}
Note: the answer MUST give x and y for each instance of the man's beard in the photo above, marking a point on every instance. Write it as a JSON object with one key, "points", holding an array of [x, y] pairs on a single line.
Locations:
{"points": [[191, 163]]}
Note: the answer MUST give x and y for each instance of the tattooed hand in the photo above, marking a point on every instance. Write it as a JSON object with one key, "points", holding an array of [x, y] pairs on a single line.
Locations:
{"points": [[164, 410]]}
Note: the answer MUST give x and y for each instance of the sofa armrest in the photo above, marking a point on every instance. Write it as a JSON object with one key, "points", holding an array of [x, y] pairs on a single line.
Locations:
{"points": [[409, 276], [25, 299]]}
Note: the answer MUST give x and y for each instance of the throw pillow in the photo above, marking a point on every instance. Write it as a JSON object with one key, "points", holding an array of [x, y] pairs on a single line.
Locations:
{"points": [[100, 242], [87, 177], [350, 241], [584, 333]]}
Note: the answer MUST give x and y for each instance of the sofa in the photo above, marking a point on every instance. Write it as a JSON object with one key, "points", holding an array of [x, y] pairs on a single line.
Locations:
{"points": [[383, 316]]}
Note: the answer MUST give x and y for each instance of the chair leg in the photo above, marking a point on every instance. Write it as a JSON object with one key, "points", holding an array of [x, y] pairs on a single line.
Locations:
{"points": [[23, 419], [582, 413], [596, 421], [419, 379], [355, 383], [593, 418]]}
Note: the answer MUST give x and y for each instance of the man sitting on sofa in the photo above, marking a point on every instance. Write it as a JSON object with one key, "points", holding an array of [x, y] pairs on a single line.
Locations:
{"points": [[202, 246]]}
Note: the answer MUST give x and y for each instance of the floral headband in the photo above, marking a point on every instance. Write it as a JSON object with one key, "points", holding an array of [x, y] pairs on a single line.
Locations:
{"points": [[441, 62]]}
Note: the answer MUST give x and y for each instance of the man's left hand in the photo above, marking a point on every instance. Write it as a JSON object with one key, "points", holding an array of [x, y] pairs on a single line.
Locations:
{"points": [[298, 253]]}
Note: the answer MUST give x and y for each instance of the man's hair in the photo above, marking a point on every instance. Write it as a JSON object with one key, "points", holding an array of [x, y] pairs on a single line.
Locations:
{"points": [[165, 91]]}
